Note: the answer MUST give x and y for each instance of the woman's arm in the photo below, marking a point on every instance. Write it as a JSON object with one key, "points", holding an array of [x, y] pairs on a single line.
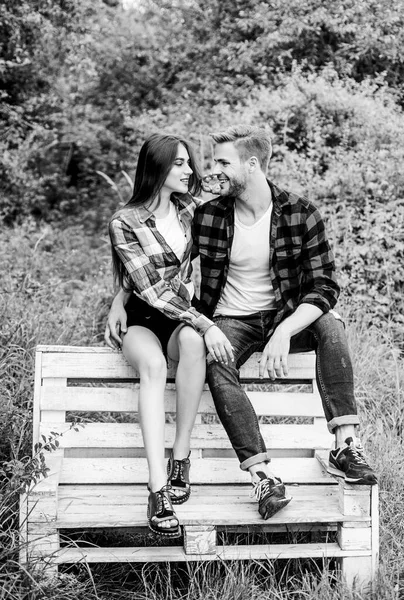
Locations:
{"points": [[148, 283], [117, 318]]}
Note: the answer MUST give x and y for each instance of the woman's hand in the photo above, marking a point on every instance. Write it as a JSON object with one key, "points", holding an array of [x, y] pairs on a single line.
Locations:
{"points": [[218, 345], [116, 323]]}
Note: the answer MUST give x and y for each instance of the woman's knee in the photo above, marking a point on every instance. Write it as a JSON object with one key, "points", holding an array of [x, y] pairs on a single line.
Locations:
{"points": [[153, 367], [191, 344]]}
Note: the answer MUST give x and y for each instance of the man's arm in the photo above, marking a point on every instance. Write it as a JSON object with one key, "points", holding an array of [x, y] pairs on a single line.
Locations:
{"points": [[116, 323], [274, 358], [320, 286]]}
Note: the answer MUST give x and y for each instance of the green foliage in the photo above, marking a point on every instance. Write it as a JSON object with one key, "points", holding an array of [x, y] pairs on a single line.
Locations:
{"points": [[342, 144], [56, 288]]}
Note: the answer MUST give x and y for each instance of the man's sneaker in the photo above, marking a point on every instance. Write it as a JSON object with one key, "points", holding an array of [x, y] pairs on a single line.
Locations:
{"points": [[270, 495], [348, 462]]}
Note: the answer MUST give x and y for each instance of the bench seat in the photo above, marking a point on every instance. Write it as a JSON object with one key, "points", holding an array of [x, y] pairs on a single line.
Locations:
{"points": [[98, 474]]}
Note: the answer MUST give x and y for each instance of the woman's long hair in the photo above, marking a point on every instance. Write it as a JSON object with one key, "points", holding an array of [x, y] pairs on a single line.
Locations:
{"points": [[156, 159]]}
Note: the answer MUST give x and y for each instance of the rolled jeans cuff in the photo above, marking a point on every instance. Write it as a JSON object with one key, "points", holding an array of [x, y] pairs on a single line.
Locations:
{"points": [[343, 420], [255, 460]]}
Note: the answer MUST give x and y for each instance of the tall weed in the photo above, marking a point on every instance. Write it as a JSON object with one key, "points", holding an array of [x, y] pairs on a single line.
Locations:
{"points": [[56, 288]]}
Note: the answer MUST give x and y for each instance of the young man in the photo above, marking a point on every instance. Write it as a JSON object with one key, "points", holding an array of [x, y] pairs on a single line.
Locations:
{"points": [[268, 282]]}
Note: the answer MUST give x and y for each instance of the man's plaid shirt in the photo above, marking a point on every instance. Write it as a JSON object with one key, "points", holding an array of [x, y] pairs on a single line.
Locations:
{"points": [[301, 262], [154, 272]]}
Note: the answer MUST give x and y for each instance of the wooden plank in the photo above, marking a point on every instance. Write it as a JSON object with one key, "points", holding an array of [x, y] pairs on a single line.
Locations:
{"points": [[23, 529], [37, 398], [112, 364], [53, 348], [374, 513], [87, 399], [57, 417], [200, 539], [206, 470], [351, 538], [301, 366], [48, 486], [357, 571], [310, 504], [128, 435], [209, 495], [177, 554]]}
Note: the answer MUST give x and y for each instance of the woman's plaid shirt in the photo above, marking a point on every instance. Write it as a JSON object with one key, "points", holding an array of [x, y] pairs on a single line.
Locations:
{"points": [[301, 265], [154, 271]]}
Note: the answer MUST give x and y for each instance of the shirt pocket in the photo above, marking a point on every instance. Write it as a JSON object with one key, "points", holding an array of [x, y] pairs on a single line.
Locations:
{"points": [[213, 261], [288, 261]]}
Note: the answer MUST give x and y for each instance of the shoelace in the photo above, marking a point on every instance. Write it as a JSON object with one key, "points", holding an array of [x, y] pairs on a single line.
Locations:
{"points": [[357, 452], [163, 502], [178, 469], [260, 489]]}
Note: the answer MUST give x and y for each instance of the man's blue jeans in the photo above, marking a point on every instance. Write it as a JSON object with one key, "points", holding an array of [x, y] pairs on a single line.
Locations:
{"points": [[248, 334]]}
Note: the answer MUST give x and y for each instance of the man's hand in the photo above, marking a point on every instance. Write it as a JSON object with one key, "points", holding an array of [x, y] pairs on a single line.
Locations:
{"points": [[274, 358], [218, 345], [116, 323]]}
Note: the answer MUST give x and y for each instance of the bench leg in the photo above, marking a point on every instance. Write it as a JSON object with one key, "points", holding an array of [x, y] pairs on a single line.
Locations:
{"points": [[43, 542], [42, 547], [357, 571]]}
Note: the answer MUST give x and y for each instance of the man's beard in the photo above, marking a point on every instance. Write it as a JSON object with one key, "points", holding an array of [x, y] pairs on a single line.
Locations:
{"points": [[236, 188]]}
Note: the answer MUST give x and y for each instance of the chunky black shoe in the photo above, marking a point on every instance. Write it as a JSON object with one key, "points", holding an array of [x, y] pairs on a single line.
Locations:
{"points": [[349, 463], [178, 478], [270, 495], [159, 509]]}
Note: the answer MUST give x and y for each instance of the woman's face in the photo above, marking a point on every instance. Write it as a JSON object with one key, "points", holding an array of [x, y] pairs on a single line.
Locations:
{"points": [[178, 177]]}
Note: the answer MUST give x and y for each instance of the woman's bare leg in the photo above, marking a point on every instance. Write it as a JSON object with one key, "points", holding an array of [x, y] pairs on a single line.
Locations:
{"points": [[143, 351], [187, 347]]}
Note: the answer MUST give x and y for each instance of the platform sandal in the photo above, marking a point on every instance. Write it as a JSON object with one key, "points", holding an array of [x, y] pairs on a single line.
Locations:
{"points": [[178, 478], [159, 509]]}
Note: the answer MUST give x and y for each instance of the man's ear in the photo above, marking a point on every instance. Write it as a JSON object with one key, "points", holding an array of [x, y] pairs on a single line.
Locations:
{"points": [[253, 164]]}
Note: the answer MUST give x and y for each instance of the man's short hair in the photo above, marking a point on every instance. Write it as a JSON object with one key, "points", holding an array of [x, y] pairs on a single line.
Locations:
{"points": [[249, 141]]}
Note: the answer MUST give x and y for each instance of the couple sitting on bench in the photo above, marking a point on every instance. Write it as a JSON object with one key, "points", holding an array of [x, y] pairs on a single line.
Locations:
{"points": [[267, 284]]}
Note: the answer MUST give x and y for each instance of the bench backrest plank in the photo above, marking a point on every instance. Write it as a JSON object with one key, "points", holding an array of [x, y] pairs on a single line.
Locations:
{"points": [[97, 383]]}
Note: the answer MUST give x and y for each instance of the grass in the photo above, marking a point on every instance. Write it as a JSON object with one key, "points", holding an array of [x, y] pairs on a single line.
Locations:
{"points": [[55, 289]]}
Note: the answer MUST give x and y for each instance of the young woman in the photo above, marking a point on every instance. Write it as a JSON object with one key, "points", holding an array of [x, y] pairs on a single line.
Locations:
{"points": [[151, 247]]}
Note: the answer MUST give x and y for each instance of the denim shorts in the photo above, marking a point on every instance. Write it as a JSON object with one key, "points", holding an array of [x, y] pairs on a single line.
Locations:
{"points": [[142, 314]]}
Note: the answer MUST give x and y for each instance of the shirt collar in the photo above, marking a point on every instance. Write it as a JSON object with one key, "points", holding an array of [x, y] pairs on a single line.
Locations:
{"points": [[180, 201], [279, 197]]}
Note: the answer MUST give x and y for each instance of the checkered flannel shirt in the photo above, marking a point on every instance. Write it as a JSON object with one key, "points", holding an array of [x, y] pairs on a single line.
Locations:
{"points": [[153, 270], [301, 262]]}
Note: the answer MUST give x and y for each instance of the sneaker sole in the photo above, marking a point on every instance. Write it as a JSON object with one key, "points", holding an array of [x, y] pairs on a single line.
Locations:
{"points": [[342, 475], [272, 508]]}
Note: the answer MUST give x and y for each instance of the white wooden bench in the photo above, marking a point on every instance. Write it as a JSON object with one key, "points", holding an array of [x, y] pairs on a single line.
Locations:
{"points": [[98, 474]]}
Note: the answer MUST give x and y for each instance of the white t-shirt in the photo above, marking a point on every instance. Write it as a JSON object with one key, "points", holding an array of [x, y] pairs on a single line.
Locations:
{"points": [[248, 288], [173, 233]]}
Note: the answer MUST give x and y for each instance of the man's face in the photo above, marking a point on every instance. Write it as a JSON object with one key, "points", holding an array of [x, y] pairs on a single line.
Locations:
{"points": [[230, 169]]}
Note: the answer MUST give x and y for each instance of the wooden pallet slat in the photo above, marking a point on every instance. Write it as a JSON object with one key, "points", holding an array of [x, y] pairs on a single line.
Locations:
{"points": [[128, 435], [175, 553], [98, 475], [205, 471], [99, 399], [112, 365]]}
